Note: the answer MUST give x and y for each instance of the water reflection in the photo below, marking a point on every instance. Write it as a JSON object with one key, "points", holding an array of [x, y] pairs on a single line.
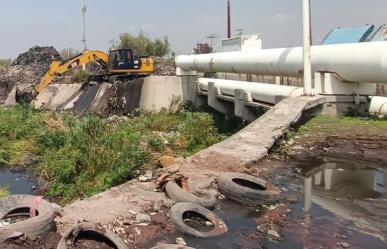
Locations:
{"points": [[340, 185], [344, 180]]}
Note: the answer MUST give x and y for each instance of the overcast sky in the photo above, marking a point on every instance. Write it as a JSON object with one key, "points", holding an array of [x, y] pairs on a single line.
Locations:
{"points": [[24, 23]]}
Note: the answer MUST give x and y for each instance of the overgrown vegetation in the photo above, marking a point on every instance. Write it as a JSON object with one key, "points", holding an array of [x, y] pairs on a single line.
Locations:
{"points": [[80, 76], [79, 157], [143, 45], [4, 192]]}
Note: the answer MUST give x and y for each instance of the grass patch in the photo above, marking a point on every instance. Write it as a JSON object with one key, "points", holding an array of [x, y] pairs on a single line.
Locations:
{"points": [[336, 124], [4, 192], [79, 157]]}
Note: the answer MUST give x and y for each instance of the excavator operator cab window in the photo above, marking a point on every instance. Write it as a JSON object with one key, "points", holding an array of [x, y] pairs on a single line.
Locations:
{"points": [[122, 59]]}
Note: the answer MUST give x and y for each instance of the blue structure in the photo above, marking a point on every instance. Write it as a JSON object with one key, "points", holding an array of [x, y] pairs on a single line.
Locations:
{"points": [[348, 35]]}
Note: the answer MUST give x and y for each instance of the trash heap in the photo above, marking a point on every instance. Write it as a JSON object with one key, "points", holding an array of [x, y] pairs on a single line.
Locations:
{"points": [[27, 68], [164, 67]]}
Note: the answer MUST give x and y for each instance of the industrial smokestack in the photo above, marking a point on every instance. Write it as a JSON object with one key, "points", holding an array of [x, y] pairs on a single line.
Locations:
{"points": [[228, 19]]}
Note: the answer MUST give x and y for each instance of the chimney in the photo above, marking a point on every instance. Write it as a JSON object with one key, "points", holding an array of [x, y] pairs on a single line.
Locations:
{"points": [[228, 19]]}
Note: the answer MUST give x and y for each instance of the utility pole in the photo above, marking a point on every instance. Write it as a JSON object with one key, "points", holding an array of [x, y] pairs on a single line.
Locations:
{"points": [[84, 10], [307, 37], [212, 37], [228, 19]]}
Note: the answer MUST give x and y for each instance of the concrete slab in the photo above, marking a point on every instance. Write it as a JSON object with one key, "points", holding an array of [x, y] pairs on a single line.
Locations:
{"points": [[100, 104], [11, 98], [159, 91], [45, 97], [64, 94], [85, 101]]}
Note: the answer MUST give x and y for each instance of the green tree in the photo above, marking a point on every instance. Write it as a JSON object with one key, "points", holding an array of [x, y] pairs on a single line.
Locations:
{"points": [[143, 45]]}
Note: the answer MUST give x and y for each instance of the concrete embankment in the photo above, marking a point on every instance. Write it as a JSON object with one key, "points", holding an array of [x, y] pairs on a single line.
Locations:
{"points": [[150, 94], [244, 148]]}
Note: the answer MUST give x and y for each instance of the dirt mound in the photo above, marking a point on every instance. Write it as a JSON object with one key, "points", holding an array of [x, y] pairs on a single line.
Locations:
{"points": [[37, 55], [28, 68], [164, 67]]}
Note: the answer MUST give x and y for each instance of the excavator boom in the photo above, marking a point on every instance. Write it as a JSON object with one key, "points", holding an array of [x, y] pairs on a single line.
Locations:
{"points": [[59, 67], [120, 62]]}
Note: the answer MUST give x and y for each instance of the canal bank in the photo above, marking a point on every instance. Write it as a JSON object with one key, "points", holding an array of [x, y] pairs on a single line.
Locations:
{"points": [[277, 226]]}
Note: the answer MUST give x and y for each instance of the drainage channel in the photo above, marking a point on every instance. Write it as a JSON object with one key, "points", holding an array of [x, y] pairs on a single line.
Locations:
{"points": [[346, 205], [18, 181]]}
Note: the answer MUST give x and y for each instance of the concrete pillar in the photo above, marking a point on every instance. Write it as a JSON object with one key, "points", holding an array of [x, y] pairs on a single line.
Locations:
{"points": [[328, 175], [318, 178], [307, 194], [218, 104], [241, 110], [189, 87]]}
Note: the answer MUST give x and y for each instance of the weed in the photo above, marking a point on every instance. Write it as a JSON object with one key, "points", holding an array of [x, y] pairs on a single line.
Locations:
{"points": [[79, 157], [4, 192]]}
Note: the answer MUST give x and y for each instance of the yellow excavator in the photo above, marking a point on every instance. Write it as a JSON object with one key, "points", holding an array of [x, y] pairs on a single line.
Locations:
{"points": [[119, 64]]}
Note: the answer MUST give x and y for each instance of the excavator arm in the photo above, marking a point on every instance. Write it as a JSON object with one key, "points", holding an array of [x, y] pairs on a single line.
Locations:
{"points": [[59, 67]]}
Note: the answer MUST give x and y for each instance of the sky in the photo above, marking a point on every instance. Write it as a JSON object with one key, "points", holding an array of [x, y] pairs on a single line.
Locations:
{"points": [[25, 23]]}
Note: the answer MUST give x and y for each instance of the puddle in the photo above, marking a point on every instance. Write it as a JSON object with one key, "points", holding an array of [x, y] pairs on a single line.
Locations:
{"points": [[18, 182], [346, 179], [241, 227], [346, 200]]}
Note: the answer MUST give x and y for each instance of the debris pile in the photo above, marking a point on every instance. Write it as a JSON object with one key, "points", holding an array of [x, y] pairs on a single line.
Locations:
{"points": [[164, 67], [27, 68]]}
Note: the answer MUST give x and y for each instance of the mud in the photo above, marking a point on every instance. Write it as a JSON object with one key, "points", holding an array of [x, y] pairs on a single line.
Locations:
{"points": [[50, 241]]}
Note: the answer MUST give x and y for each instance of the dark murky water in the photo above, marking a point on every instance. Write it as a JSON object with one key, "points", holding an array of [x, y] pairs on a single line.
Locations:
{"points": [[349, 205], [241, 224], [18, 182]]}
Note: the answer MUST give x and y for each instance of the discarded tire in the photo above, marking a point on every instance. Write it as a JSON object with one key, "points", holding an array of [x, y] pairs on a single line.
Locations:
{"points": [[68, 239], [171, 246], [179, 210], [246, 189], [179, 195], [33, 227]]}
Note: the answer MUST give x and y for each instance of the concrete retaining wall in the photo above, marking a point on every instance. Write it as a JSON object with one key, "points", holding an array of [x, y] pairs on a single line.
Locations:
{"points": [[151, 94], [159, 91]]}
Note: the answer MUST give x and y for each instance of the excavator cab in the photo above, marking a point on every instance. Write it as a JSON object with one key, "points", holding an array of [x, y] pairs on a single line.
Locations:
{"points": [[123, 61]]}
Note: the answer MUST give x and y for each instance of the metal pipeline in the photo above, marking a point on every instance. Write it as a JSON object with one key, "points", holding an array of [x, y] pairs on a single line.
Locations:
{"points": [[261, 92], [378, 106], [357, 62]]}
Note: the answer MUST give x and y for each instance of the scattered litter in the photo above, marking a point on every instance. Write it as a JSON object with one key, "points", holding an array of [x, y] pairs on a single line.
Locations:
{"points": [[273, 233], [181, 242], [147, 177]]}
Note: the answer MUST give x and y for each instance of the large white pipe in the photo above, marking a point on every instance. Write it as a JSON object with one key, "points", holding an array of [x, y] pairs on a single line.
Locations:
{"points": [[260, 92], [356, 62], [378, 106]]}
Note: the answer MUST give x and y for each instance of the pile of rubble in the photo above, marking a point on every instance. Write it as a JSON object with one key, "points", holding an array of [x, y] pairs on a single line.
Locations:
{"points": [[27, 68], [164, 67]]}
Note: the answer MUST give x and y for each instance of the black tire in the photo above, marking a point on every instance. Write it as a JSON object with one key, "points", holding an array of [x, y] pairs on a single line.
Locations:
{"points": [[71, 234], [176, 193], [246, 189], [171, 246], [39, 225], [177, 214]]}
